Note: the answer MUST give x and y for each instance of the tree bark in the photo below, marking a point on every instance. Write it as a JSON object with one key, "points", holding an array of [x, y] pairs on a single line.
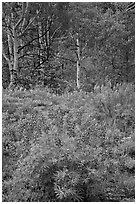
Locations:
{"points": [[48, 38], [41, 47], [78, 62], [14, 68]]}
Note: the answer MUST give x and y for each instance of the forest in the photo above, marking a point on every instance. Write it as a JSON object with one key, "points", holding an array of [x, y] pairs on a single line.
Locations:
{"points": [[68, 101]]}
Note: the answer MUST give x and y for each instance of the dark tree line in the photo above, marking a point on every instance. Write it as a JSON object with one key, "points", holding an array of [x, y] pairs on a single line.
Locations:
{"points": [[61, 44]]}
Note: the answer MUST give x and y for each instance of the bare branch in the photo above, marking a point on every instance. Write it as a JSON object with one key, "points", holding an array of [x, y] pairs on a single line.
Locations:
{"points": [[74, 40], [29, 24], [55, 32], [22, 17], [26, 10], [84, 46], [63, 58], [84, 57], [4, 55], [20, 48], [19, 21]]}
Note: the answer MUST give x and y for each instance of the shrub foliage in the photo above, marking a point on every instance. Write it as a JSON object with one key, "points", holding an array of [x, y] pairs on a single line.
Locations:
{"points": [[77, 147]]}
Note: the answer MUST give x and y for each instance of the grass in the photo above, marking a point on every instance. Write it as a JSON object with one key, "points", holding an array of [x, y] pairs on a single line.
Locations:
{"points": [[74, 147]]}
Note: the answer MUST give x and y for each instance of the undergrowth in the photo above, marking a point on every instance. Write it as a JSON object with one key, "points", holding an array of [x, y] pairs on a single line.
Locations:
{"points": [[77, 147]]}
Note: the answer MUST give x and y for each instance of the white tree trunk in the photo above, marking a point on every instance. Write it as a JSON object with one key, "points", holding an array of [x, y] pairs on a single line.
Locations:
{"points": [[41, 48], [14, 68], [48, 38]]}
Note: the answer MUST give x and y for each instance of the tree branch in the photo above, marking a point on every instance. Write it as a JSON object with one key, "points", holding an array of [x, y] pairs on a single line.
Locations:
{"points": [[29, 24], [4, 55], [22, 17], [20, 48], [84, 46], [26, 10], [55, 32], [63, 58]]}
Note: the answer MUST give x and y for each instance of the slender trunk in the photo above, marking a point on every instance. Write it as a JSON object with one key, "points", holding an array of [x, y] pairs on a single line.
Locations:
{"points": [[14, 69], [48, 39], [47, 45], [41, 48], [12, 59], [10, 46], [78, 62]]}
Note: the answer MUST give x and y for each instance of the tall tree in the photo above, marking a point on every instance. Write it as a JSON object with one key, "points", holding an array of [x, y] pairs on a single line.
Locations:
{"points": [[16, 22], [76, 43], [84, 41]]}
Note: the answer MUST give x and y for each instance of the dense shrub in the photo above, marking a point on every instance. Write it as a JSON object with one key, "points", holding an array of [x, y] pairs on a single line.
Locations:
{"points": [[74, 147]]}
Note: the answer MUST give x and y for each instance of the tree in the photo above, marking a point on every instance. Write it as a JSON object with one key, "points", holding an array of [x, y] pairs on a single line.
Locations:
{"points": [[54, 42], [16, 22], [78, 40], [31, 29], [115, 41]]}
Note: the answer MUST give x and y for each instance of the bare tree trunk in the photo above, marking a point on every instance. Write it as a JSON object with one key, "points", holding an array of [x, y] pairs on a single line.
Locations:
{"points": [[78, 62], [15, 30], [41, 48], [47, 46], [48, 38], [14, 69], [10, 59]]}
